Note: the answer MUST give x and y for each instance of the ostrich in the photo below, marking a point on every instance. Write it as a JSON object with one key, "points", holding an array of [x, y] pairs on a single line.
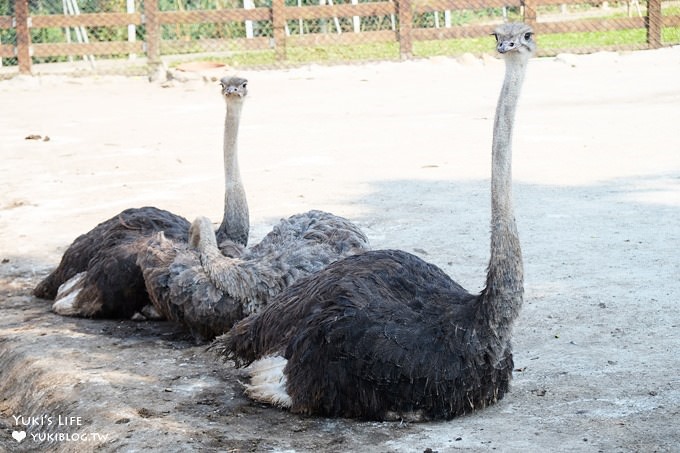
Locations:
{"points": [[194, 284], [384, 335], [98, 275]]}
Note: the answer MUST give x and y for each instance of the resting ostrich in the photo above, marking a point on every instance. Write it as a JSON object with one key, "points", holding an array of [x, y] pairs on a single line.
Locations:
{"points": [[194, 284], [384, 335], [98, 275]]}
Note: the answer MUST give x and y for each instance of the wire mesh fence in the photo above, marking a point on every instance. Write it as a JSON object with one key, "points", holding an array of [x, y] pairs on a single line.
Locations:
{"points": [[132, 36]]}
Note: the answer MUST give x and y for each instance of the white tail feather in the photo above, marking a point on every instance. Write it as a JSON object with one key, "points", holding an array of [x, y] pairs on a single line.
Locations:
{"points": [[65, 305], [267, 381], [66, 296], [69, 285]]}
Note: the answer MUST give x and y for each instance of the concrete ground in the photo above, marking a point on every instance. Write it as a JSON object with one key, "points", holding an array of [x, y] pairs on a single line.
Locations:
{"points": [[403, 149]]}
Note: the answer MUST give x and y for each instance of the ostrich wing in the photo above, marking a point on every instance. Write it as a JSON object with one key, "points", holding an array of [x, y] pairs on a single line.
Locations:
{"points": [[209, 293], [362, 320]]}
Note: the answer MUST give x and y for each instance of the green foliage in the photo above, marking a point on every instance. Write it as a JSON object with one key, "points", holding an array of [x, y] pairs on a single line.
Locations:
{"points": [[191, 38], [451, 47], [593, 39], [319, 54], [670, 10], [437, 19], [347, 53], [6, 7], [670, 36]]}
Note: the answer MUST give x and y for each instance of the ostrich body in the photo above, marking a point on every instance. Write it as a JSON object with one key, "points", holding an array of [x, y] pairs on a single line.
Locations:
{"points": [[384, 335], [194, 284], [98, 275]]}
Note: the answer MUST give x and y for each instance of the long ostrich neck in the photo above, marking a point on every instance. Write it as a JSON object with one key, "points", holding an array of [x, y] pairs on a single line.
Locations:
{"points": [[235, 224], [502, 297], [248, 283]]}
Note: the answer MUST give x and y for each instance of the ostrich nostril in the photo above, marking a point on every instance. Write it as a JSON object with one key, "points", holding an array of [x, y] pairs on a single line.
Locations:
{"points": [[512, 44]]}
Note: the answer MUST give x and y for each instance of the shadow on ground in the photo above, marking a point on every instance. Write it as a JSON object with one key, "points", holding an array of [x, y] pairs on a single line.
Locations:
{"points": [[595, 344]]}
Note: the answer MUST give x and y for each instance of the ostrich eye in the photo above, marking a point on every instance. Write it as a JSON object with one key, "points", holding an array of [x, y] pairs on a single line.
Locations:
{"points": [[527, 36], [244, 84]]}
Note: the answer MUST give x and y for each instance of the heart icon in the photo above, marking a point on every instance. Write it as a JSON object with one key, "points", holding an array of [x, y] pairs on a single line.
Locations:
{"points": [[19, 435]]}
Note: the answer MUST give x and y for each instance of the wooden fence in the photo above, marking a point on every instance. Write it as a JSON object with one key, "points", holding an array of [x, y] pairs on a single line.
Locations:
{"points": [[404, 33]]}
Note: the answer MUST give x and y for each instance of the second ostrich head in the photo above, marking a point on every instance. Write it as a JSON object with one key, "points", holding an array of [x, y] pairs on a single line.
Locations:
{"points": [[515, 38], [234, 87], [201, 234]]}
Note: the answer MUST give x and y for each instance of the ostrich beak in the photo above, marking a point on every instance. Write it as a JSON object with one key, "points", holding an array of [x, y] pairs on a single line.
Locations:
{"points": [[232, 91], [505, 46]]}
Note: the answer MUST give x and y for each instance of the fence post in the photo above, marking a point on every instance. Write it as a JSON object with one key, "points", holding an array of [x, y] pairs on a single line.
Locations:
{"points": [[529, 12], [153, 34], [279, 25], [131, 29], [405, 26], [654, 23], [23, 36]]}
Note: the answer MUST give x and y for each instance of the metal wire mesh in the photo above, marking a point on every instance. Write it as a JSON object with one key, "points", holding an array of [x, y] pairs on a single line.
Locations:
{"points": [[131, 36]]}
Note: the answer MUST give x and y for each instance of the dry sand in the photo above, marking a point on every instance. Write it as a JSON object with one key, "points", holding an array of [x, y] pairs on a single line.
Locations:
{"points": [[404, 150]]}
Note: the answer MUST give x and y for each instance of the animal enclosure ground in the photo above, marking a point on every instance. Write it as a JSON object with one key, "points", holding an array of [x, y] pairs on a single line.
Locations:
{"points": [[404, 150]]}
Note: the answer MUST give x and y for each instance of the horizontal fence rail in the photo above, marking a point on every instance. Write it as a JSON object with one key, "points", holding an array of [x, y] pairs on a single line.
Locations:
{"points": [[277, 26]]}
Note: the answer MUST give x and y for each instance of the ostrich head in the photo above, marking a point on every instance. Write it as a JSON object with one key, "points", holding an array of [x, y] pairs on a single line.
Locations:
{"points": [[201, 234], [515, 39], [234, 87]]}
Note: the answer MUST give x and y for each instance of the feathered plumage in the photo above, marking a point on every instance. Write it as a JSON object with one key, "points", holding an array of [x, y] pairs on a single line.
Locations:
{"points": [[384, 335], [197, 286], [98, 275], [380, 335], [102, 264]]}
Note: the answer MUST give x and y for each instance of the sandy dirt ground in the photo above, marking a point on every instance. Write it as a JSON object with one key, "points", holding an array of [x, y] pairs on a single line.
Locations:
{"points": [[403, 149]]}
